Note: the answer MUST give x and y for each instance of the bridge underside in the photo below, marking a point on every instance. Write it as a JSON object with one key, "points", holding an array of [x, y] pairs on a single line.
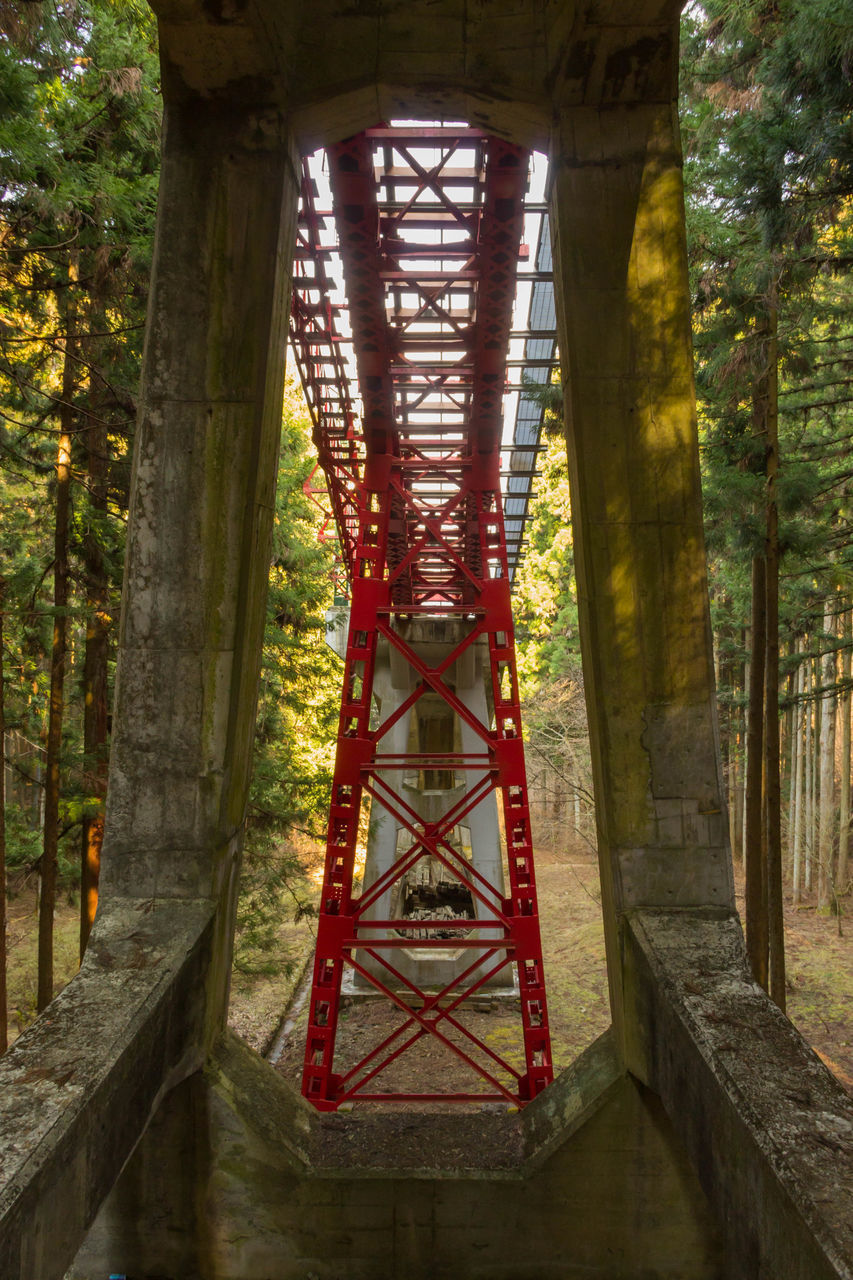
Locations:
{"points": [[702, 1137]]}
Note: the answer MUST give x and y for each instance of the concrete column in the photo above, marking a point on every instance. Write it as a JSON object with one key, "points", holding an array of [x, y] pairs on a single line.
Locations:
{"points": [[201, 515], [391, 686], [483, 818], [624, 332]]}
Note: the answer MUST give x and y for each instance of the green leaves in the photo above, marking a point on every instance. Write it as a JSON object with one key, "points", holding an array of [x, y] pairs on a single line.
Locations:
{"points": [[79, 153], [297, 711], [766, 114]]}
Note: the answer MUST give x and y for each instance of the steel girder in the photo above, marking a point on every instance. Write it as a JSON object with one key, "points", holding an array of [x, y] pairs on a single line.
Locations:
{"points": [[429, 222]]}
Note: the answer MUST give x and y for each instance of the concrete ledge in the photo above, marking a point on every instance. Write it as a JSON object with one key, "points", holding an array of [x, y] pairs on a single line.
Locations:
{"points": [[235, 1178], [389, 1142], [574, 1097], [78, 1087], [769, 1129], [252, 1088], [394, 1142]]}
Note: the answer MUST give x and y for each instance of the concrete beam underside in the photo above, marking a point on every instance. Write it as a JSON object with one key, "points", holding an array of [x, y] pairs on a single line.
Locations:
{"points": [[595, 85]]}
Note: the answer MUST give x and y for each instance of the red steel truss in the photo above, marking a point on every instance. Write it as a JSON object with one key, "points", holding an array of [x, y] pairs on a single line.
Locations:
{"points": [[429, 222]]}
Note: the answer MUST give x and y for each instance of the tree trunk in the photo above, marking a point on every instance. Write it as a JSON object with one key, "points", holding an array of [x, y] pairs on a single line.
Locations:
{"points": [[94, 679], [791, 718], [729, 738], [737, 796], [797, 782], [768, 409], [826, 828], [788, 748], [808, 711], [844, 814], [47, 896], [754, 859], [3, 998], [744, 749]]}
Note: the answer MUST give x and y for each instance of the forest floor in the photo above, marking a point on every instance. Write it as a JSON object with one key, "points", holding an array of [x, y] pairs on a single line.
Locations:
{"points": [[22, 948], [573, 942], [819, 971]]}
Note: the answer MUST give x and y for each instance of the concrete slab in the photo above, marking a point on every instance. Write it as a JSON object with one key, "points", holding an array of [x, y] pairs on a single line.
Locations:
{"points": [[768, 1128], [78, 1087]]}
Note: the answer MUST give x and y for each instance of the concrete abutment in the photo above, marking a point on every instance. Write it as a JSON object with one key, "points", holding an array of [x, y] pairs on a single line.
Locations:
{"points": [[703, 1139], [284, 1194]]}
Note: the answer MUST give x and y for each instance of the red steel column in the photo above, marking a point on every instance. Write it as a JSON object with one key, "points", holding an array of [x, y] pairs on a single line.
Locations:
{"points": [[430, 545]]}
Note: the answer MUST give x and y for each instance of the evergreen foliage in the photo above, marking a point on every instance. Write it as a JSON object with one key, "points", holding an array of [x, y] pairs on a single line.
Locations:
{"points": [[767, 179], [79, 162], [297, 713], [79, 141], [767, 105]]}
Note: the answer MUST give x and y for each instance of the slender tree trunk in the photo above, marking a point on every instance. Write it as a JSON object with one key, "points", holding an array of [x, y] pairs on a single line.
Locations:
{"points": [[744, 745], [826, 828], [769, 411], [4, 1034], [787, 735], [797, 783], [94, 680], [730, 738], [47, 896], [754, 859], [793, 689], [811, 755], [737, 796], [844, 815]]}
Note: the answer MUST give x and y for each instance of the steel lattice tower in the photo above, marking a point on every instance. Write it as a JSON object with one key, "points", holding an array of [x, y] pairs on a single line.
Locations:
{"points": [[429, 250]]}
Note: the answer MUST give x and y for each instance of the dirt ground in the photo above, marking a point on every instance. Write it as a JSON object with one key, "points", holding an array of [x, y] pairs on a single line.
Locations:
{"points": [[573, 940], [820, 991], [819, 973], [22, 949], [819, 970]]}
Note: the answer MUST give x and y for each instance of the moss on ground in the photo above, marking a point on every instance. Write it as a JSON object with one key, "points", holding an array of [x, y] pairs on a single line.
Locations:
{"points": [[22, 942]]}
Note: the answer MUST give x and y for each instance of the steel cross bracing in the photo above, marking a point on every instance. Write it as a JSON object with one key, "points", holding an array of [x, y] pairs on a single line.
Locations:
{"points": [[428, 222]]}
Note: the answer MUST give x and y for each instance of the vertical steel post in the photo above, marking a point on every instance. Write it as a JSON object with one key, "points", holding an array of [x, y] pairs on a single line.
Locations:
{"points": [[429, 252]]}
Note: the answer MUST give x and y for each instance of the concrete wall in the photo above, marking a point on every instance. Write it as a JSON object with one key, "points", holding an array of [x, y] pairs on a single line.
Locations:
{"points": [[281, 1195]]}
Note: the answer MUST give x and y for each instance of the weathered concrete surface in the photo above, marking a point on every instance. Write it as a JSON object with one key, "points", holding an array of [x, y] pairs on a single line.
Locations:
{"points": [[200, 522], [768, 1128], [621, 285], [576, 1094], [615, 1199], [202, 502], [81, 1083], [338, 68]]}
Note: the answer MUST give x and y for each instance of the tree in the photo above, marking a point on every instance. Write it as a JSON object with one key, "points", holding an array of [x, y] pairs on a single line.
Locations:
{"points": [[548, 639], [56, 700], [297, 710], [78, 163], [768, 223]]}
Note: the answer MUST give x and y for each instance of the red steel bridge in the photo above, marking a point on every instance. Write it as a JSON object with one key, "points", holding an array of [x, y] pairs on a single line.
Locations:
{"points": [[429, 236]]}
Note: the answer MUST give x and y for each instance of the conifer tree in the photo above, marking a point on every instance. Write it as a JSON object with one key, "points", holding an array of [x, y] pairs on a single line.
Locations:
{"points": [[78, 170], [768, 223]]}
